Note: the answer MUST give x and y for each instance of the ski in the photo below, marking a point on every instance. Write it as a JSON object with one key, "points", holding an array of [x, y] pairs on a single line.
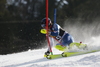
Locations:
{"points": [[53, 56], [64, 54], [68, 54]]}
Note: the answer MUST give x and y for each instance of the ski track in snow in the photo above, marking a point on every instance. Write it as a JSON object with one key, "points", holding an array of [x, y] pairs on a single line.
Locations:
{"points": [[34, 58]]}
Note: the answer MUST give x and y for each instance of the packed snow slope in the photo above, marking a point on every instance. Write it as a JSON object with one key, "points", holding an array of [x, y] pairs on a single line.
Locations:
{"points": [[34, 58]]}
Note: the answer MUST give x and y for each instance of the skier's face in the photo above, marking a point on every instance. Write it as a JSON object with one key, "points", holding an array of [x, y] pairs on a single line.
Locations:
{"points": [[43, 25]]}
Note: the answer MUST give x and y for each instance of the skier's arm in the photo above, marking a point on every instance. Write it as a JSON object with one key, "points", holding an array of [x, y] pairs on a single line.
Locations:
{"points": [[55, 30]]}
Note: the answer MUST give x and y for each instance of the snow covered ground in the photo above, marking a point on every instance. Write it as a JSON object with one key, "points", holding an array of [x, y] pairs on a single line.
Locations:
{"points": [[34, 58]]}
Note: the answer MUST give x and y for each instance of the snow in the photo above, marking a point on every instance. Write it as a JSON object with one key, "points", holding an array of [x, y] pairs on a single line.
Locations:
{"points": [[34, 58], [64, 1]]}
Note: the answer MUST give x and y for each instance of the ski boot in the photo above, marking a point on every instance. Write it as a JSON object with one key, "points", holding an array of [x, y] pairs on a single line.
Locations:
{"points": [[47, 53]]}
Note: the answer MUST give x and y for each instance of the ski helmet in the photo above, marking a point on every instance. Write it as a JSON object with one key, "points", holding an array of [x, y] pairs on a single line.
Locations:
{"points": [[43, 22]]}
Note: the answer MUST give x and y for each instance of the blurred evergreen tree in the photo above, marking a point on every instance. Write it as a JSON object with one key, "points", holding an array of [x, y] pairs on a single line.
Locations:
{"points": [[88, 10], [84, 8], [35, 9], [4, 13]]}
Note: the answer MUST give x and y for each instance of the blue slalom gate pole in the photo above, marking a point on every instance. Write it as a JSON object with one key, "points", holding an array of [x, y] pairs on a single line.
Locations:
{"points": [[55, 15]]}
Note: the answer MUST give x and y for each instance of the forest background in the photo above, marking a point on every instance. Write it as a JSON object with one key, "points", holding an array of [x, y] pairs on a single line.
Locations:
{"points": [[20, 20]]}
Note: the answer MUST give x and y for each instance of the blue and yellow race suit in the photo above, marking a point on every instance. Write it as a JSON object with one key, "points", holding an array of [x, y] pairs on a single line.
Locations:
{"points": [[64, 38]]}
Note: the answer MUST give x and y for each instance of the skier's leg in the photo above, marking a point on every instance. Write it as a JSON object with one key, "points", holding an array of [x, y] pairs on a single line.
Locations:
{"points": [[64, 42], [51, 45], [60, 47]]}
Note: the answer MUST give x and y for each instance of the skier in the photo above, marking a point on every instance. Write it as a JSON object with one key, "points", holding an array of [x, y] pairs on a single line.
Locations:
{"points": [[56, 32]]}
